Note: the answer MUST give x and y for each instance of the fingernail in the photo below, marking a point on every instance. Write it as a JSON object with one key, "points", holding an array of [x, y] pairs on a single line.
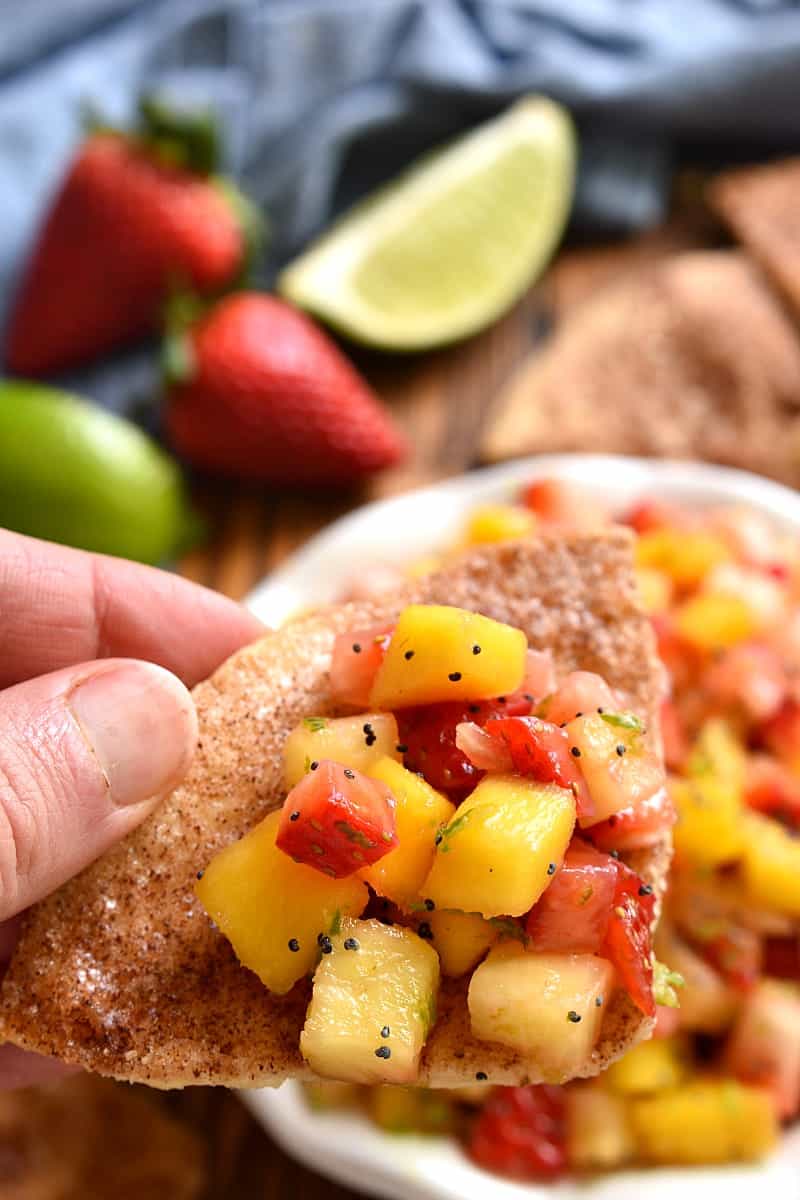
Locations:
{"points": [[139, 721]]}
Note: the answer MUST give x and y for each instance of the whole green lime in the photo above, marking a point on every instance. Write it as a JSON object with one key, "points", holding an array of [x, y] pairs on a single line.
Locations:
{"points": [[73, 473]]}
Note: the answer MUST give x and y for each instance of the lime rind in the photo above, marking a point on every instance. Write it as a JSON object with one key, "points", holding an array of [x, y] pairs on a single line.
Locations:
{"points": [[450, 245]]}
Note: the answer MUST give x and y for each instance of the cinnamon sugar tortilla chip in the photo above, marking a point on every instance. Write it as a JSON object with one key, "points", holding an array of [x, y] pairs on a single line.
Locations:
{"points": [[121, 970], [761, 206], [692, 357]]}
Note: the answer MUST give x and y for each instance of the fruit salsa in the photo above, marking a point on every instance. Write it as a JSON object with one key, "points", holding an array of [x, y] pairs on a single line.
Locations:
{"points": [[723, 1071], [456, 824]]}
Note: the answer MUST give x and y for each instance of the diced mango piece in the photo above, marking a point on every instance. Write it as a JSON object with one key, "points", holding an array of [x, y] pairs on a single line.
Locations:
{"points": [[685, 555], [460, 939], [359, 741], [654, 588], [771, 865], [649, 1067], [719, 753], [495, 855], [599, 1137], [443, 653], [420, 811], [548, 1006], [709, 830], [372, 1004], [499, 523], [709, 1121], [271, 909], [714, 620]]}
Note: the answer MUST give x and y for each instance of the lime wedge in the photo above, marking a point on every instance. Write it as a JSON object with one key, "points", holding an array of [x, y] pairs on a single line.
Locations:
{"points": [[443, 250]]}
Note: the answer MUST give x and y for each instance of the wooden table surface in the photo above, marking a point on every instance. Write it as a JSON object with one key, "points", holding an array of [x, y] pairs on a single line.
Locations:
{"points": [[443, 400]]}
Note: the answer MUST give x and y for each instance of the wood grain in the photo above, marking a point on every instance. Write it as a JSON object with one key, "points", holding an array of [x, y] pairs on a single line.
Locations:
{"points": [[443, 401]]}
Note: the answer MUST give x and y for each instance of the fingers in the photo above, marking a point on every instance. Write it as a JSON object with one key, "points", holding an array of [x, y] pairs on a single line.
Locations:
{"points": [[85, 753], [62, 606]]}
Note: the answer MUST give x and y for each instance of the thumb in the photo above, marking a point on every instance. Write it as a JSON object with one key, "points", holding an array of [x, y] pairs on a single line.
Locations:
{"points": [[85, 754]]}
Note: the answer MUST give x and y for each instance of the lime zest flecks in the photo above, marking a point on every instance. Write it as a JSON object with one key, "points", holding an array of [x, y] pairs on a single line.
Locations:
{"points": [[315, 724], [665, 985], [623, 720], [508, 927]]}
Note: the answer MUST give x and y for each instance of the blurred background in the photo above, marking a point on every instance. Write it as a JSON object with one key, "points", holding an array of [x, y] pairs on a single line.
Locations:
{"points": [[598, 249]]}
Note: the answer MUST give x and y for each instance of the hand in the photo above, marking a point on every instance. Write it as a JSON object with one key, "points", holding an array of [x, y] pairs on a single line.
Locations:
{"points": [[91, 737]]}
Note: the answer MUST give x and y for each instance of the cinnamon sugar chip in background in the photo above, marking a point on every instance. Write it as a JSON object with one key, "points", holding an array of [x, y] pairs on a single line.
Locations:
{"points": [[692, 357], [121, 970], [86, 1138], [761, 207]]}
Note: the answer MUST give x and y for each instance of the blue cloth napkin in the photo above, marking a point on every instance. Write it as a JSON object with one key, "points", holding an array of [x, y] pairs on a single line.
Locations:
{"points": [[322, 99]]}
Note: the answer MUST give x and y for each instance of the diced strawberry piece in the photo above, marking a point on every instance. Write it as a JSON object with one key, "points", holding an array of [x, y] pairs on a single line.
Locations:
{"points": [[771, 788], [736, 953], [674, 736], [485, 752], [559, 502], [636, 827], [681, 660], [521, 1133], [354, 664], [781, 734], [764, 1047], [541, 750], [782, 957], [648, 515], [579, 692], [573, 914], [629, 942], [429, 735], [749, 677], [337, 820]]}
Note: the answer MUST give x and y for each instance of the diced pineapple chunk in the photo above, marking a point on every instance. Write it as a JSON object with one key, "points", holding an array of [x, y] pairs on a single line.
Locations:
{"points": [[494, 857], [649, 1067], [372, 1005], [420, 811], [271, 909], [685, 555], [709, 829], [499, 523], [771, 865], [654, 588], [598, 1134], [715, 620], [548, 1006], [460, 939], [359, 742], [709, 1121], [442, 653]]}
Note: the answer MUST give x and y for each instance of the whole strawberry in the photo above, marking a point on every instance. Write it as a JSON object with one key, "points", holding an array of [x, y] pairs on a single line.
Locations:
{"points": [[138, 215], [263, 394]]}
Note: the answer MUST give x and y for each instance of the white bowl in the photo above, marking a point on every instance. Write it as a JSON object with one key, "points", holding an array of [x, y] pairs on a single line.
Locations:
{"points": [[345, 1146]]}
